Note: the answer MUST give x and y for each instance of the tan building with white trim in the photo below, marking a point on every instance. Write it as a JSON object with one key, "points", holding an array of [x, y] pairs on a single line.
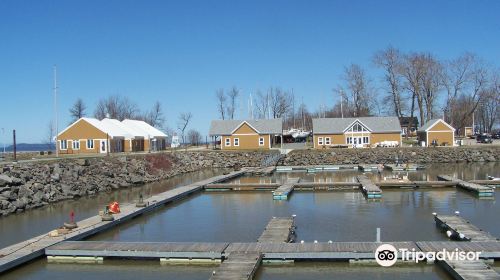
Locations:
{"points": [[360, 132], [246, 134], [436, 132], [92, 136]]}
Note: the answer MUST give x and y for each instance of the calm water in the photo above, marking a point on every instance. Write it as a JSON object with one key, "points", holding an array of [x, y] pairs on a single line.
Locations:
{"points": [[241, 216], [19, 227]]}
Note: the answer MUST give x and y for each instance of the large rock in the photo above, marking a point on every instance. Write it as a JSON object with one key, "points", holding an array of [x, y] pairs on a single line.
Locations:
{"points": [[4, 180]]}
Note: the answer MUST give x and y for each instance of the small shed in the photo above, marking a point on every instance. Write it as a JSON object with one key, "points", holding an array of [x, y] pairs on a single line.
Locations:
{"points": [[436, 132]]}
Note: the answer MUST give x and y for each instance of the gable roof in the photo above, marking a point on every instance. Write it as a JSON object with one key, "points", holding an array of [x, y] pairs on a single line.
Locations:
{"points": [[262, 126], [338, 125], [428, 125], [114, 128], [141, 126]]}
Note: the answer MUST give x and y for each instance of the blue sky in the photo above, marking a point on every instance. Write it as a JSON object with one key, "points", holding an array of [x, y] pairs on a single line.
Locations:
{"points": [[180, 52]]}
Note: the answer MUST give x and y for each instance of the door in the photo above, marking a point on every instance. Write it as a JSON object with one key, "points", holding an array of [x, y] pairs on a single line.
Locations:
{"points": [[103, 147]]}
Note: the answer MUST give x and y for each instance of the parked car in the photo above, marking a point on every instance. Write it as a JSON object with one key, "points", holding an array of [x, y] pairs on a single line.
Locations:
{"points": [[496, 135], [484, 138]]}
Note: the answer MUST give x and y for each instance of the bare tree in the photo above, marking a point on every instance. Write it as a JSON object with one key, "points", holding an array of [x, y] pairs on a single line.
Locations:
{"points": [[413, 72], [116, 107], [221, 103], [184, 119], [390, 60], [431, 84], [194, 137], [280, 102], [155, 117], [78, 109], [358, 89], [456, 76], [262, 104], [231, 107]]}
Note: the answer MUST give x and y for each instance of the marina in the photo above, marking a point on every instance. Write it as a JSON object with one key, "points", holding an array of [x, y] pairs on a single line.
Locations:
{"points": [[221, 251], [481, 191]]}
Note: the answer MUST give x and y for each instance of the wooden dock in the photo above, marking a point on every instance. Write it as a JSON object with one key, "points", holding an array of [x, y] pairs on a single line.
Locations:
{"points": [[238, 266], [480, 190], [284, 190], [469, 270], [368, 187], [461, 229], [278, 230], [488, 249], [28, 250], [139, 250], [368, 167], [403, 167], [316, 168]]}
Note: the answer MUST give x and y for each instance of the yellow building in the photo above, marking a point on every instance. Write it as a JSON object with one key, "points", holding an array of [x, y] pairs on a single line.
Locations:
{"points": [[93, 136], [436, 132], [356, 132], [246, 134]]}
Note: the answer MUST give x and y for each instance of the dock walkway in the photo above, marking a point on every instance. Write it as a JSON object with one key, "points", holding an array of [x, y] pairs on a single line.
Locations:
{"points": [[478, 189], [368, 187], [470, 270], [462, 229], [282, 192], [28, 250], [278, 230], [238, 266]]}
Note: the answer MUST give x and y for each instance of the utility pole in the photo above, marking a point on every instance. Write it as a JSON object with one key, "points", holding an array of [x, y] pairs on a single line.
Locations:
{"points": [[55, 109]]}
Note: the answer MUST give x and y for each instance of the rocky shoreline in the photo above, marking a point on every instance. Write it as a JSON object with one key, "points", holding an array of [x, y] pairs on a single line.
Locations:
{"points": [[29, 185], [389, 155]]}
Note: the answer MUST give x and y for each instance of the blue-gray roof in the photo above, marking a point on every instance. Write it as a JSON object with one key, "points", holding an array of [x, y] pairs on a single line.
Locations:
{"points": [[226, 127], [374, 124]]}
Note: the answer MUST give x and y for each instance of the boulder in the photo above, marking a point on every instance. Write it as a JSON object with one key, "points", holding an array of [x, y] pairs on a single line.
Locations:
{"points": [[4, 180]]}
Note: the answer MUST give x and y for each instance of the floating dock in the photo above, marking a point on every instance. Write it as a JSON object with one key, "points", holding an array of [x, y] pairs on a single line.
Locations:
{"points": [[469, 270], [462, 229], [480, 190], [368, 167], [28, 250], [238, 266], [368, 187], [284, 190], [403, 167], [316, 168], [278, 230]]}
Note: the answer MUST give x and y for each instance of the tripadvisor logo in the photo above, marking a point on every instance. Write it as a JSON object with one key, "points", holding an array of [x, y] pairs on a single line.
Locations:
{"points": [[387, 255]]}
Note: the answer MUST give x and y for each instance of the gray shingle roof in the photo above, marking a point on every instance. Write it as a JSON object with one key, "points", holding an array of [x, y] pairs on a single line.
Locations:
{"points": [[338, 125], [428, 124], [225, 127]]}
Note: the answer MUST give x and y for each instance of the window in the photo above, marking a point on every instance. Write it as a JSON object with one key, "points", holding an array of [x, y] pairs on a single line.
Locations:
{"points": [[349, 140], [63, 145], [365, 140], [328, 141], [76, 144], [320, 140], [357, 127], [90, 144], [236, 142], [228, 142], [261, 141]]}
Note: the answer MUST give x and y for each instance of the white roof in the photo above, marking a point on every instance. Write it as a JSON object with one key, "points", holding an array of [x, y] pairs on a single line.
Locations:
{"points": [[148, 130], [128, 129], [116, 129]]}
